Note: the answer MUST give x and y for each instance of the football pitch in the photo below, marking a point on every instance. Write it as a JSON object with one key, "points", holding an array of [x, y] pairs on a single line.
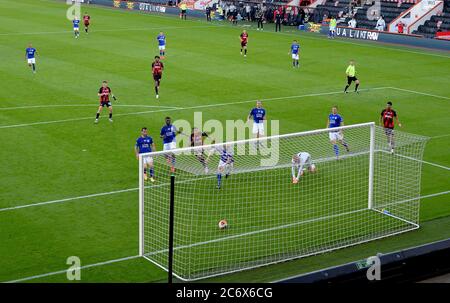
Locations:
{"points": [[69, 187]]}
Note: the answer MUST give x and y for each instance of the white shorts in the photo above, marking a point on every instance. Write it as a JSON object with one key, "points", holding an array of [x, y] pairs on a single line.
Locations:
{"points": [[258, 128], [336, 136], [31, 60], [76, 29], [333, 28], [169, 146], [295, 56], [162, 47], [147, 160], [223, 164]]}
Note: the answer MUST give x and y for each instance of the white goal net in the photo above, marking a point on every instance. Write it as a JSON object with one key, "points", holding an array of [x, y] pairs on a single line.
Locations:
{"points": [[364, 194]]}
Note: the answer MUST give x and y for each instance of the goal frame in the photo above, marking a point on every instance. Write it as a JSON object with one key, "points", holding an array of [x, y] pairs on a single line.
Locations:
{"points": [[370, 197]]}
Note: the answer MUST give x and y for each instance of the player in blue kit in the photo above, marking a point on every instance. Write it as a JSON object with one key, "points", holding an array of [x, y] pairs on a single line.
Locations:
{"points": [[295, 49], [336, 120], [30, 54], [226, 163], [258, 115], [145, 144], [168, 134], [161, 44], [76, 27]]}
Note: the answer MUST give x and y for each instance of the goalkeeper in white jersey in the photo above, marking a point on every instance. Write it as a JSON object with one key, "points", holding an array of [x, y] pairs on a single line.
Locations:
{"points": [[299, 162]]}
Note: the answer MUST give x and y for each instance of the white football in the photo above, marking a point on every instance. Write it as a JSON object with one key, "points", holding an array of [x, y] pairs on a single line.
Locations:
{"points": [[223, 224]]}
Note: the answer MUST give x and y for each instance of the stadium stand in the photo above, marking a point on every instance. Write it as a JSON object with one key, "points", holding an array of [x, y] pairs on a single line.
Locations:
{"points": [[344, 10], [436, 23]]}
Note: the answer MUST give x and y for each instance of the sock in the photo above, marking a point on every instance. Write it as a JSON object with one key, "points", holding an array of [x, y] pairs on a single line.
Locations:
{"points": [[241, 50], [294, 63], [336, 149], [156, 89], [151, 172], [356, 87], [345, 145], [346, 87], [98, 115], [110, 115], [245, 51], [145, 171], [34, 67], [219, 179], [298, 63]]}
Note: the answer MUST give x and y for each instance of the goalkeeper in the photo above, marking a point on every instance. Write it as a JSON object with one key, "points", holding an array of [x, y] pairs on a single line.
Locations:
{"points": [[300, 161]]}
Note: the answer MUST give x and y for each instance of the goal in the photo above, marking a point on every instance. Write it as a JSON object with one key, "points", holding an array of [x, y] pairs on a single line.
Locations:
{"points": [[365, 194]]}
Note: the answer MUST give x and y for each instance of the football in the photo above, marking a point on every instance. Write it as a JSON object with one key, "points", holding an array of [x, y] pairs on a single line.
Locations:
{"points": [[223, 224]]}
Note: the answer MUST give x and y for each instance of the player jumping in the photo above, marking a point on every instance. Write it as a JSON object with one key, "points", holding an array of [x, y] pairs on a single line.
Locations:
{"points": [[244, 41], [351, 76], [157, 69], [30, 54], [161, 44], [295, 48], [86, 21], [76, 27], [145, 144], [336, 120], [387, 121], [104, 93], [300, 161]]}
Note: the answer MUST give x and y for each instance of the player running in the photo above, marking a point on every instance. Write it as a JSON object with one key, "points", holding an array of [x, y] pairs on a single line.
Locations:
{"points": [[104, 93], [351, 76], [161, 44], [300, 161], [76, 27], [86, 22], [336, 120], [226, 164], [244, 41], [168, 134], [30, 55], [197, 139], [157, 70], [387, 121], [258, 115], [145, 144], [295, 48]]}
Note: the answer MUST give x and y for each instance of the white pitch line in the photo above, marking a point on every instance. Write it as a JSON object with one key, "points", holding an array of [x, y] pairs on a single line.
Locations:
{"points": [[84, 105], [422, 161], [186, 108], [420, 93], [94, 195], [111, 30], [135, 257], [65, 270], [440, 136]]}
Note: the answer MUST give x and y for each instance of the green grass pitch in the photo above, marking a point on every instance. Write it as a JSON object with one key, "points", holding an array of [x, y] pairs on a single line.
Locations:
{"points": [[52, 151]]}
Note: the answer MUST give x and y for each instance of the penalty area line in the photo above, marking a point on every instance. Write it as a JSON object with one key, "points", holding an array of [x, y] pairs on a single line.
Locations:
{"points": [[188, 108], [76, 268]]}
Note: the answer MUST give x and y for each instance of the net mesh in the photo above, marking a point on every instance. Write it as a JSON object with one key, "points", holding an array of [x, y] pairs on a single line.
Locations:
{"points": [[269, 218]]}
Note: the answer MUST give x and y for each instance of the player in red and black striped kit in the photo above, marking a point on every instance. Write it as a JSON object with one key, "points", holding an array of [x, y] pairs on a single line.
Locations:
{"points": [[104, 93], [157, 69], [387, 121], [244, 41], [87, 22]]}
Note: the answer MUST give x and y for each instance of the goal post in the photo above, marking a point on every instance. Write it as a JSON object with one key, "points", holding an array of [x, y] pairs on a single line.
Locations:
{"points": [[337, 198]]}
